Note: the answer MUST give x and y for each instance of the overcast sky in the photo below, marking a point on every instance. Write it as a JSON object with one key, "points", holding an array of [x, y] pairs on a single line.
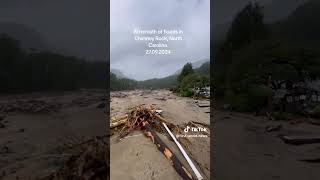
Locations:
{"points": [[127, 55], [78, 27]]}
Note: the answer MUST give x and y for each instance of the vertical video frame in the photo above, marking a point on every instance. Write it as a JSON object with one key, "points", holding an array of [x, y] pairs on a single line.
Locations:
{"points": [[160, 89]]}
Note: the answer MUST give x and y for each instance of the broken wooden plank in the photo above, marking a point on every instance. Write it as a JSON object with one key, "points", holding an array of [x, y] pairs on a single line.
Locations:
{"points": [[202, 105], [193, 167], [159, 112], [114, 119], [161, 119], [180, 169], [300, 140]]}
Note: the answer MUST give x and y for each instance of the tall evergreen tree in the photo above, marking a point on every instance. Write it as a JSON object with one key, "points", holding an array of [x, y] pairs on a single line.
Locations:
{"points": [[247, 27], [186, 70]]}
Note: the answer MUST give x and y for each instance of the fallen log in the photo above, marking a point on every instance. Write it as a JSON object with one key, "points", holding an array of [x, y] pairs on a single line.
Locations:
{"points": [[113, 119], [300, 140], [145, 118], [193, 167], [162, 119], [181, 170]]}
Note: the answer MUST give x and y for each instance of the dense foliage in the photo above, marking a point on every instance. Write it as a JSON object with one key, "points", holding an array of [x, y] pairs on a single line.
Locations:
{"points": [[118, 84], [190, 79], [251, 52], [186, 70], [159, 83]]}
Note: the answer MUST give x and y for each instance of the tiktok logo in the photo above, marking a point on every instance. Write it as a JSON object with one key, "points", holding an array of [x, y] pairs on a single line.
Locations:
{"points": [[195, 129], [186, 129]]}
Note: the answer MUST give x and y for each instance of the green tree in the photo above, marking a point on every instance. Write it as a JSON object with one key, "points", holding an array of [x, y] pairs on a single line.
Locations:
{"points": [[248, 26], [186, 70]]}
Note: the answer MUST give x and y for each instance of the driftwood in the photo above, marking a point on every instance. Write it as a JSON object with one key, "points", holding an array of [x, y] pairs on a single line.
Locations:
{"points": [[193, 167], [140, 114], [118, 123], [162, 119], [181, 170], [91, 163], [147, 119], [300, 140]]}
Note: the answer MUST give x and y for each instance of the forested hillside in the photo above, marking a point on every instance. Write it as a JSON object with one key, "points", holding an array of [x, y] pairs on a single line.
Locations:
{"points": [[117, 84], [302, 26], [168, 82], [22, 71]]}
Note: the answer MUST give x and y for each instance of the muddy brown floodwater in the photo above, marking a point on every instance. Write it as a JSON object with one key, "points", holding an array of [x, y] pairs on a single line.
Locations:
{"points": [[36, 126], [244, 149], [136, 157]]}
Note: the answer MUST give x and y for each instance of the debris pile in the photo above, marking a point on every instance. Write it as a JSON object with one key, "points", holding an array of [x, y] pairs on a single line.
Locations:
{"points": [[148, 120], [30, 106], [296, 96], [91, 163], [202, 92], [119, 95], [138, 115], [161, 98]]}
